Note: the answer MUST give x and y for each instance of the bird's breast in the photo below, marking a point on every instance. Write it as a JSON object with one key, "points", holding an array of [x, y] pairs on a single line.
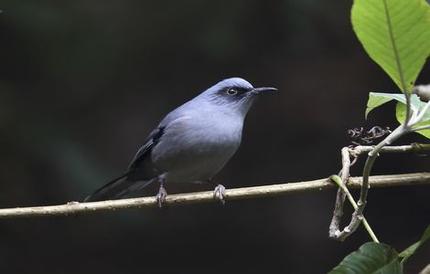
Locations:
{"points": [[222, 131], [197, 147], [205, 134]]}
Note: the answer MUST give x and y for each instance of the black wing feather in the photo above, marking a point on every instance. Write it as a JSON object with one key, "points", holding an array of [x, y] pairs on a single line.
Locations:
{"points": [[120, 185], [152, 140]]}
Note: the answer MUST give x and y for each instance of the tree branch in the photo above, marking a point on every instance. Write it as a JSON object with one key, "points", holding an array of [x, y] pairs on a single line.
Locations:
{"points": [[414, 148], [347, 152], [341, 235], [72, 208], [426, 270], [334, 229]]}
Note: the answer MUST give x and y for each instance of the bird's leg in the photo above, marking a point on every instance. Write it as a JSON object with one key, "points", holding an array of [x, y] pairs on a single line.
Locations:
{"points": [[162, 193], [219, 192]]}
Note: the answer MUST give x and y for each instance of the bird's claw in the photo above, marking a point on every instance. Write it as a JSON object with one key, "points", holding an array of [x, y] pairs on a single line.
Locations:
{"points": [[219, 193], [161, 196]]}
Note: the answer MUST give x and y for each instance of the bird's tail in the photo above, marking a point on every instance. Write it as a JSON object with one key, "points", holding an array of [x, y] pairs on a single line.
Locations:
{"points": [[117, 189]]}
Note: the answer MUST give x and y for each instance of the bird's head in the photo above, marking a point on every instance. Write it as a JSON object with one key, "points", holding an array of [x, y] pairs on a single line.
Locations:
{"points": [[235, 94]]}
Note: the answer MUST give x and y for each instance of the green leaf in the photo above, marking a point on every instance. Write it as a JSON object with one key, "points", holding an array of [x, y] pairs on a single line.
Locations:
{"points": [[416, 104], [370, 258], [396, 35], [425, 132], [377, 99], [405, 254]]}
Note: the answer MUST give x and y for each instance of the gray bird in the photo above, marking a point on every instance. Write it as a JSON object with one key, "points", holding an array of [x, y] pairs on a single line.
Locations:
{"points": [[191, 144]]}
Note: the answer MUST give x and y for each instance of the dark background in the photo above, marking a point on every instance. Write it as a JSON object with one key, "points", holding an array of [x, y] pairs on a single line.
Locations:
{"points": [[83, 82]]}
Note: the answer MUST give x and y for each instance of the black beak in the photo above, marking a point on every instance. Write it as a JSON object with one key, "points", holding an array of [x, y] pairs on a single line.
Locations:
{"points": [[263, 90]]}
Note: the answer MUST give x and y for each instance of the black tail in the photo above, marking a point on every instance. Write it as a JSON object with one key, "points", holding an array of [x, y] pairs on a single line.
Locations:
{"points": [[115, 189]]}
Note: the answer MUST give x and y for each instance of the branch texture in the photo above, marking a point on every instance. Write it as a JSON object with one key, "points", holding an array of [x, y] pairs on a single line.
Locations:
{"points": [[354, 152], [72, 208]]}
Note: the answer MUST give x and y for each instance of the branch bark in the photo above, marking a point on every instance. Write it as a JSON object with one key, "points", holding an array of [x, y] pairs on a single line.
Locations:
{"points": [[414, 148], [357, 215], [354, 152], [73, 208], [334, 229], [340, 235]]}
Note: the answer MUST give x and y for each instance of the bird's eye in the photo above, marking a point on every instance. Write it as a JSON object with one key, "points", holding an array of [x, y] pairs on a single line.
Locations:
{"points": [[231, 91]]}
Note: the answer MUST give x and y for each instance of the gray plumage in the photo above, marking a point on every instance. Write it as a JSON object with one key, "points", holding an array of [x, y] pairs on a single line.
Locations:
{"points": [[192, 143]]}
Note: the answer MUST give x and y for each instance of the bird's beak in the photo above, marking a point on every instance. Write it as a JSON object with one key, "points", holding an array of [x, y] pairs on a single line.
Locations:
{"points": [[263, 90]]}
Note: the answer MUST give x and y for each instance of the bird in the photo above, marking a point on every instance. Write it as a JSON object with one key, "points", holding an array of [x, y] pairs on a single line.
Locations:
{"points": [[191, 144]]}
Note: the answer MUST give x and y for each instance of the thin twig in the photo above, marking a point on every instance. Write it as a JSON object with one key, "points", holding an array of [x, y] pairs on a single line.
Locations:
{"points": [[420, 115], [334, 229], [357, 216], [414, 148], [72, 208], [420, 128], [426, 270], [341, 235], [347, 152]]}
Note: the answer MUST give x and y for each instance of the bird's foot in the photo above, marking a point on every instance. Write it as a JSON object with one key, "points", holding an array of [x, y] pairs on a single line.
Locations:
{"points": [[161, 196], [219, 193]]}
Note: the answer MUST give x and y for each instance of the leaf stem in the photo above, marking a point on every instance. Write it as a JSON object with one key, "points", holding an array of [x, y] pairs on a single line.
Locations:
{"points": [[415, 120], [421, 128], [398, 63]]}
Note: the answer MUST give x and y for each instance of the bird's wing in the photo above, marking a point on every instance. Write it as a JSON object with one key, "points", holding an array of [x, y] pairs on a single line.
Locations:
{"points": [[121, 186], [151, 141], [177, 115]]}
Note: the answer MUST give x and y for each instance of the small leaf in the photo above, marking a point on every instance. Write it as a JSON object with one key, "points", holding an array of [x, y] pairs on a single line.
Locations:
{"points": [[405, 254], [416, 105], [377, 99], [370, 258], [424, 132], [400, 112], [396, 35]]}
